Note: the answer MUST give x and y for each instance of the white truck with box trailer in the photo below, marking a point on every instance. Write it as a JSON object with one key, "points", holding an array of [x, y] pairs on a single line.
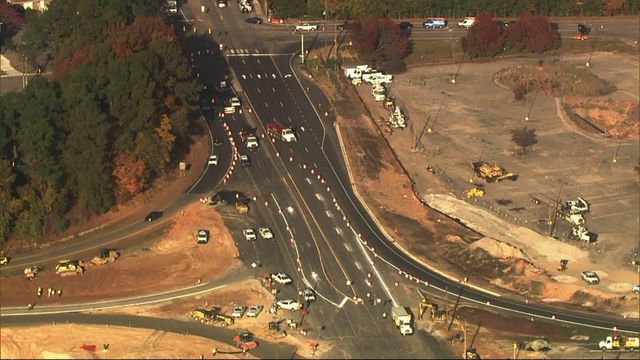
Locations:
{"points": [[402, 319]]}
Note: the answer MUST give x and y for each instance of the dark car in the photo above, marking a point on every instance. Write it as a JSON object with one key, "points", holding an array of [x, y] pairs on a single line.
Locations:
{"points": [[153, 216], [345, 26], [405, 28], [254, 20], [218, 141]]}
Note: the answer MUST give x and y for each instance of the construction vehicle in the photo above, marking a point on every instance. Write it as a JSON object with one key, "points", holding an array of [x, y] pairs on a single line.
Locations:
{"points": [[397, 119], [619, 342], [242, 207], [31, 272], [245, 341], [357, 72], [377, 78], [203, 315], [379, 93], [574, 219], [4, 260], [492, 172], [280, 132], [106, 256], [402, 319], [224, 319], [472, 354], [476, 191], [563, 265], [578, 206], [69, 267], [389, 103], [581, 233]]}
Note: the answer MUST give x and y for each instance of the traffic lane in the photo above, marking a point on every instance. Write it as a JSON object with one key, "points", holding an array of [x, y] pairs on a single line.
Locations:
{"points": [[356, 213], [266, 349]]}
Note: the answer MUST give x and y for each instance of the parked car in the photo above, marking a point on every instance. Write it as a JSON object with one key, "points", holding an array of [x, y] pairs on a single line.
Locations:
{"points": [[281, 278], [238, 311], [289, 305], [467, 22], [435, 23], [153, 216], [203, 236], [254, 20], [308, 294], [636, 289], [265, 233], [590, 277], [213, 159], [249, 234], [254, 310]]}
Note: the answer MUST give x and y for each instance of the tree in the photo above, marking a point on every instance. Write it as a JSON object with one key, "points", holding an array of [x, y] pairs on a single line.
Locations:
{"points": [[483, 38], [128, 174], [288, 8], [11, 21], [9, 203], [524, 138], [532, 33], [380, 40]]}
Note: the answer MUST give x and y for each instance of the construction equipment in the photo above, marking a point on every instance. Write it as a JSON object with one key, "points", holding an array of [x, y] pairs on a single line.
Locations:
{"points": [[69, 267], [389, 103], [379, 93], [581, 233], [224, 319], [31, 272], [277, 131], [203, 315], [583, 32], [618, 342], [578, 206], [242, 208], [574, 219], [106, 256], [397, 118], [471, 353], [245, 341], [476, 191], [492, 172], [4, 260], [563, 264]]}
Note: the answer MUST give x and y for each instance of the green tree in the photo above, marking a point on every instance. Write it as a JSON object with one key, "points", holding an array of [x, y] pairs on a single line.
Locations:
{"points": [[8, 203], [524, 138], [288, 8]]}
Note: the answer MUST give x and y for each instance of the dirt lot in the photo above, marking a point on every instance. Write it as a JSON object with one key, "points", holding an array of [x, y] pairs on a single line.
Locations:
{"points": [[246, 293], [64, 341], [173, 261]]}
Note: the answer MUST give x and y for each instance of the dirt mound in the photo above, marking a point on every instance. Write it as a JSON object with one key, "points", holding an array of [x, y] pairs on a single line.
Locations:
{"points": [[618, 119], [498, 248], [553, 79]]}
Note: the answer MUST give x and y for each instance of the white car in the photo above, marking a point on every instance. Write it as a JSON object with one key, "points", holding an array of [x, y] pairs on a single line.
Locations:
{"points": [[203, 236], [590, 277], [289, 305], [281, 278], [238, 311], [308, 294], [265, 233], [249, 234], [636, 289], [306, 27], [235, 101], [467, 22], [213, 159], [254, 310]]}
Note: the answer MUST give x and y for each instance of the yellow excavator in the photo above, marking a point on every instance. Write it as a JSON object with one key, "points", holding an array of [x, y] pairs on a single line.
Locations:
{"points": [[476, 191], [69, 267], [492, 172]]}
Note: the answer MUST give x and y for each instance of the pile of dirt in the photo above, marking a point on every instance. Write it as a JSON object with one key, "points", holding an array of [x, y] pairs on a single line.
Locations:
{"points": [[499, 249], [625, 305], [618, 119], [553, 79]]}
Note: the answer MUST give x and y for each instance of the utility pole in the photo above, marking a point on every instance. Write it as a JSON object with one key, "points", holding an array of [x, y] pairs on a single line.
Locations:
{"points": [[325, 24], [302, 45]]}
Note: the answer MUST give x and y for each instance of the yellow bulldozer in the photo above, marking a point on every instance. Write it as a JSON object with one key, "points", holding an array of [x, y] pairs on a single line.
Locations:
{"points": [[106, 256], [203, 315], [69, 267], [492, 172], [476, 191]]}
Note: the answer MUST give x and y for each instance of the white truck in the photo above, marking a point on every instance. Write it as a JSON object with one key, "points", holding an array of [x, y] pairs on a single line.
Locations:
{"points": [[397, 118], [356, 72], [306, 27], [377, 78], [467, 22], [617, 342], [402, 319], [252, 143], [379, 93], [282, 133]]}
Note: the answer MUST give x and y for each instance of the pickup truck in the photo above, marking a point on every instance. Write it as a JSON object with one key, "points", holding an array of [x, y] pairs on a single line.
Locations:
{"points": [[306, 27]]}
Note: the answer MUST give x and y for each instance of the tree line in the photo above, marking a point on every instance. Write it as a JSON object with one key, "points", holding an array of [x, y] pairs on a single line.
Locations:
{"points": [[349, 9], [110, 120]]}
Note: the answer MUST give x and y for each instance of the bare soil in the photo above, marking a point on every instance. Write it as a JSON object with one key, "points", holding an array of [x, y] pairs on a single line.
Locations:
{"points": [[64, 341], [161, 192], [173, 261]]}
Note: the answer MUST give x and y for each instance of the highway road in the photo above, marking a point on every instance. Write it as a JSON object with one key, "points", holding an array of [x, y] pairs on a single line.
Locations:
{"points": [[324, 238]]}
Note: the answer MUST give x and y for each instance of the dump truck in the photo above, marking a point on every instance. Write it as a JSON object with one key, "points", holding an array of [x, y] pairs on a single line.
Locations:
{"points": [[581, 233], [578, 206], [402, 319], [280, 132], [492, 172], [106, 256], [619, 342], [69, 267]]}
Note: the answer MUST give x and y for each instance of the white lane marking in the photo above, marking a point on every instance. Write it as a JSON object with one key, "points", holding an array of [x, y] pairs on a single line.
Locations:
{"points": [[319, 197], [244, 76], [258, 60], [273, 75], [274, 89], [260, 91], [358, 265], [344, 301], [329, 214], [308, 180], [282, 106], [259, 76], [339, 231], [348, 247], [306, 149], [244, 62]]}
